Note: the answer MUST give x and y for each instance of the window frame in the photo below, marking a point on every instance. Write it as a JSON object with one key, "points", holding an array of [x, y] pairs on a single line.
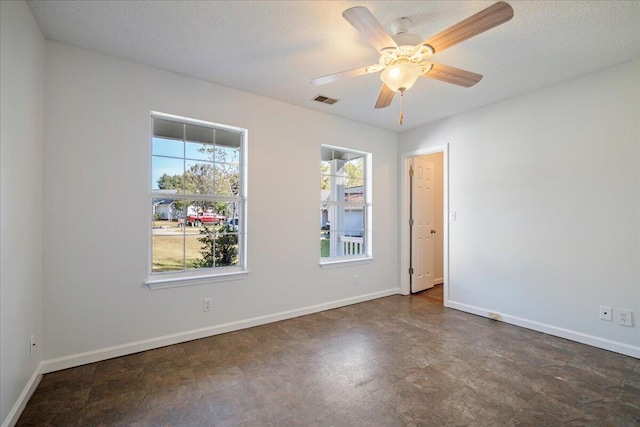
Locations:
{"points": [[170, 279], [367, 255]]}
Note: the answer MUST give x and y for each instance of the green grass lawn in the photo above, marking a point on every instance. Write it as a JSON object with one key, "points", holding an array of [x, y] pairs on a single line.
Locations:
{"points": [[324, 248], [167, 252], [168, 249]]}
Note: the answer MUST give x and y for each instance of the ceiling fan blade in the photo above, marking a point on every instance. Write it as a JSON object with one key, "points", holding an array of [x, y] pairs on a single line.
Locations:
{"points": [[482, 21], [453, 75], [363, 20], [384, 97], [337, 76]]}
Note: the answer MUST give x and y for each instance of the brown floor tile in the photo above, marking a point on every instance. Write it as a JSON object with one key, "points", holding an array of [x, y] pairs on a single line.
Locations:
{"points": [[395, 361]]}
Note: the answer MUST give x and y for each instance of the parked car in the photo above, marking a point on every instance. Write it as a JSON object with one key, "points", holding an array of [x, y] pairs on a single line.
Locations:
{"points": [[205, 218]]}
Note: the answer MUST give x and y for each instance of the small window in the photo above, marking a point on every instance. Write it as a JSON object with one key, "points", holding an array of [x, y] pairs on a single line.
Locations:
{"points": [[345, 204], [197, 198]]}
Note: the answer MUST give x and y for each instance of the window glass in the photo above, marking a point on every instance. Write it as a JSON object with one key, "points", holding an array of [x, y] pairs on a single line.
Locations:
{"points": [[198, 177], [167, 175], [199, 151], [168, 147], [197, 201], [344, 203]]}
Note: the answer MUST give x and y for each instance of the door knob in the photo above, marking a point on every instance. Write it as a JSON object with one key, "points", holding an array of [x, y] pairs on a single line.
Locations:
{"points": [[433, 231]]}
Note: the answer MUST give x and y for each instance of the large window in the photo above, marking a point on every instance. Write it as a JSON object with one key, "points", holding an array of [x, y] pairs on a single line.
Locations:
{"points": [[197, 198], [345, 204]]}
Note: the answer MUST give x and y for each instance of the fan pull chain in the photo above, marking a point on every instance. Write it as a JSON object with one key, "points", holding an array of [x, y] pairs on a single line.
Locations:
{"points": [[401, 113]]}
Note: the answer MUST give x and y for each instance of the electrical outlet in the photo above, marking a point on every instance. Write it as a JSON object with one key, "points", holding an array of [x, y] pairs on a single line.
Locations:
{"points": [[624, 317], [32, 345], [206, 304], [605, 313], [356, 280]]}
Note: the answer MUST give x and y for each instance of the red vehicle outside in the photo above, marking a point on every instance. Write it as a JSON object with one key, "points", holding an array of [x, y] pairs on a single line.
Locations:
{"points": [[205, 218]]}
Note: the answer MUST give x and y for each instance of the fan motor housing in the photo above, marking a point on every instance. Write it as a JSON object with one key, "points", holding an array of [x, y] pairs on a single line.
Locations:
{"points": [[407, 39]]}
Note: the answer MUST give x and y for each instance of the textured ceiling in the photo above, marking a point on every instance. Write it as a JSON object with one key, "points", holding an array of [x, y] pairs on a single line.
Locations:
{"points": [[273, 48]]}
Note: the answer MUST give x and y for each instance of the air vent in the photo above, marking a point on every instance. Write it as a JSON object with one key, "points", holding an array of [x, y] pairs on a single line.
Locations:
{"points": [[325, 99]]}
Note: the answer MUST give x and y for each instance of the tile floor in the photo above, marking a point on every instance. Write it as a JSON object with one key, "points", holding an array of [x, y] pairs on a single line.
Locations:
{"points": [[395, 361], [435, 294]]}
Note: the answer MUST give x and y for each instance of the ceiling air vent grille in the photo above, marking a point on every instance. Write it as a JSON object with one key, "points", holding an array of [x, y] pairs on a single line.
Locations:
{"points": [[325, 99]]}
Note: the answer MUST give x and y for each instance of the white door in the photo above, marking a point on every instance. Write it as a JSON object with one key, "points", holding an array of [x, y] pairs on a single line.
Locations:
{"points": [[423, 229]]}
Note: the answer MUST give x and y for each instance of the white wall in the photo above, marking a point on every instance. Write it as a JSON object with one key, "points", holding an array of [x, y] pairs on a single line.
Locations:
{"points": [[546, 187], [21, 135], [97, 151]]}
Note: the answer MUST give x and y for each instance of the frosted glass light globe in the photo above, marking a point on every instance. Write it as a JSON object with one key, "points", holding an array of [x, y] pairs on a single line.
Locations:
{"points": [[401, 76]]}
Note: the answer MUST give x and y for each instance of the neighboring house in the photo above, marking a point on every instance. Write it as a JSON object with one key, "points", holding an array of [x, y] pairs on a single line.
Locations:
{"points": [[164, 209], [324, 210], [353, 219], [193, 210]]}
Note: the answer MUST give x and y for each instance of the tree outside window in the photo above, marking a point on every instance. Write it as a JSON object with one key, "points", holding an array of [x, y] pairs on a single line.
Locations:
{"points": [[196, 173]]}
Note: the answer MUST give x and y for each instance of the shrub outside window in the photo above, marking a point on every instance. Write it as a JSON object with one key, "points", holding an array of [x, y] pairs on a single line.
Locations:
{"points": [[345, 204], [197, 198]]}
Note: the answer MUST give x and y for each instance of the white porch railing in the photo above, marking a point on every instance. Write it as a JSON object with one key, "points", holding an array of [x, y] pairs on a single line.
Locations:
{"points": [[352, 245]]}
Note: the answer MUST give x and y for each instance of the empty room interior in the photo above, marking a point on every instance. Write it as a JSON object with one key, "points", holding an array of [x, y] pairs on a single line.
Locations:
{"points": [[475, 258]]}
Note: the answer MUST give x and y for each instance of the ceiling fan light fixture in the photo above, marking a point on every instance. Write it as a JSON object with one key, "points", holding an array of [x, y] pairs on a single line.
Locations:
{"points": [[401, 76], [404, 57], [407, 39], [374, 68]]}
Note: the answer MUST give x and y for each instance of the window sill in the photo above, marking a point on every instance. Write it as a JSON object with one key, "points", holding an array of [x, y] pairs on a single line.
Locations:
{"points": [[155, 282], [336, 263]]}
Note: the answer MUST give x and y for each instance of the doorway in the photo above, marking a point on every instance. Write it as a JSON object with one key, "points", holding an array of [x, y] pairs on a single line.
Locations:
{"points": [[424, 223]]}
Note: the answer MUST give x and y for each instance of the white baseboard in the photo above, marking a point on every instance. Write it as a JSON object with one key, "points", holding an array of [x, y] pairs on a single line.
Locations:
{"points": [[438, 281], [615, 346], [29, 388], [73, 360]]}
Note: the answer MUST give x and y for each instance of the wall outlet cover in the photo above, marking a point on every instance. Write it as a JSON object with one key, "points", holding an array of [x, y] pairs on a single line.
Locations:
{"points": [[624, 317], [605, 313]]}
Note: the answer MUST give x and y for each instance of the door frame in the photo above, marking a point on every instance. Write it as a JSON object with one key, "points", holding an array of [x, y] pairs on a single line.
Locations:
{"points": [[404, 216]]}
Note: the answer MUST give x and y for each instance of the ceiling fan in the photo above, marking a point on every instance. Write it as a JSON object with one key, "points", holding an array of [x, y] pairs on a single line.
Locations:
{"points": [[404, 57]]}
